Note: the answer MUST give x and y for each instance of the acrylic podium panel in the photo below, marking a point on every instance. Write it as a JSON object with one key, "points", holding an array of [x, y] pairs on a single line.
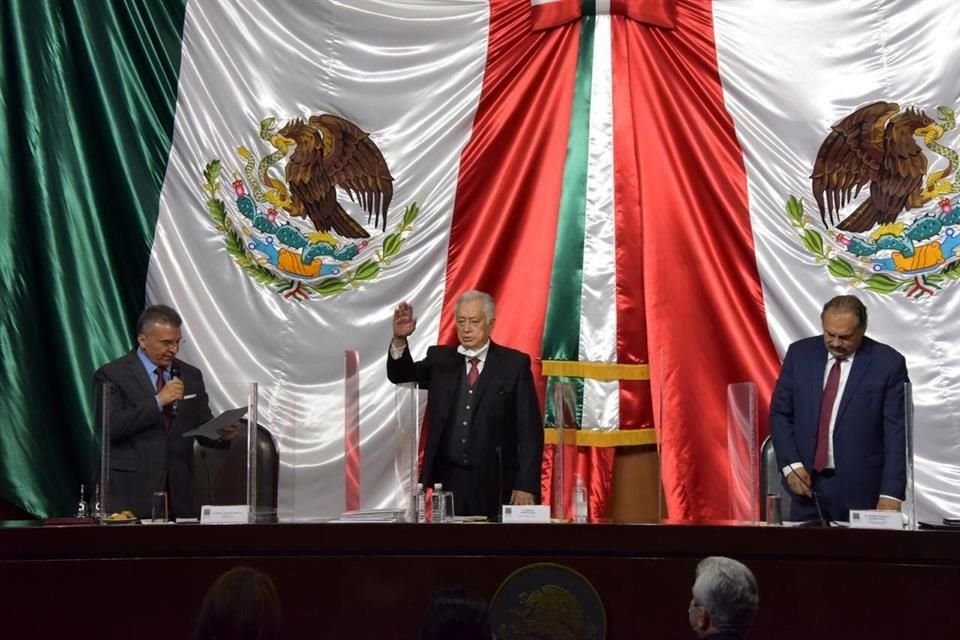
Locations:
{"points": [[910, 503], [743, 454], [562, 452], [342, 449], [409, 405], [313, 451]]}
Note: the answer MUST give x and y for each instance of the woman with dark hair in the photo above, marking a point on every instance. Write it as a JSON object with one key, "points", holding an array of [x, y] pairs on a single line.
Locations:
{"points": [[456, 613], [241, 605]]}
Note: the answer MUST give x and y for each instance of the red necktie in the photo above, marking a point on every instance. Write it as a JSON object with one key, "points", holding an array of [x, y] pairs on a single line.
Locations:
{"points": [[167, 415], [474, 373], [826, 410]]}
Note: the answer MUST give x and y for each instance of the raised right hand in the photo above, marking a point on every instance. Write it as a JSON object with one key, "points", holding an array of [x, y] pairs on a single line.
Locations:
{"points": [[404, 323], [799, 482], [171, 392]]}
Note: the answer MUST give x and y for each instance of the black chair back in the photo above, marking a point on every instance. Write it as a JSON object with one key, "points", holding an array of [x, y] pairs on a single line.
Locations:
{"points": [[219, 475]]}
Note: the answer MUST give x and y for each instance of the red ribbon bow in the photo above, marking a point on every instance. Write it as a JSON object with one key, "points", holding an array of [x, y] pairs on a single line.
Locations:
{"points": [[547, 14]]}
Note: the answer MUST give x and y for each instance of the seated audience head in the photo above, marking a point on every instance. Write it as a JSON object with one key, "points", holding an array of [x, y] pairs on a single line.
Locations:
{"points": [[456, 613], [725, 598], [241, 605]]}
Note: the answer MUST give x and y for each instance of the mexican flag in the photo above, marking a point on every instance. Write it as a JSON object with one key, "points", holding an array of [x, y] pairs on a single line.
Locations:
{"points": [[630, 180]]}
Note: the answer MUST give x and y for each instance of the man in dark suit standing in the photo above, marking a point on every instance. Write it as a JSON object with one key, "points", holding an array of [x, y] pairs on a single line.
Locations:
{"points": [[837, 418], [153, 399], [486, 433]]}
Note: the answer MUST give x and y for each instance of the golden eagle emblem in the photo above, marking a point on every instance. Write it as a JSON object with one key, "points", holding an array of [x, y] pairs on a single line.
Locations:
{"points": [[331, 152], [876, 146], [293, 234], [547, 600], [904, 236]]}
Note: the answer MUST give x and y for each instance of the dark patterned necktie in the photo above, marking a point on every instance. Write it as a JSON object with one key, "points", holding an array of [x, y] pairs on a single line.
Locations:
{"points": [[166, 411]]}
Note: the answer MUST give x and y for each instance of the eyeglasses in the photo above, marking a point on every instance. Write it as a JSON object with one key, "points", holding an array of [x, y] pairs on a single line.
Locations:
{"points": [[169, 344]]}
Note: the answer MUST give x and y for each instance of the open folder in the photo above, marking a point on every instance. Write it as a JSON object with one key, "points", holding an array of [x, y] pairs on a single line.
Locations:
{"points": [[225, 419]]}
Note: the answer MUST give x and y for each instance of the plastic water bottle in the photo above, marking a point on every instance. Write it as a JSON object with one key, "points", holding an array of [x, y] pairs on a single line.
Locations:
{"points": [[579, 502], [83, 509], [97, 506], [436, 503], [421, 504]]}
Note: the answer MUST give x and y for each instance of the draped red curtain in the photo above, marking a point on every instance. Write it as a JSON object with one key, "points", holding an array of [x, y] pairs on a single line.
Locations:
{"points": [[702, 297], [688, 290]]}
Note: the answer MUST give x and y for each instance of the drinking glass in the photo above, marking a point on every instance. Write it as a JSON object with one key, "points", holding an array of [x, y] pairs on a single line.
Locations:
{"points": [[159, 511], [446, 499]]}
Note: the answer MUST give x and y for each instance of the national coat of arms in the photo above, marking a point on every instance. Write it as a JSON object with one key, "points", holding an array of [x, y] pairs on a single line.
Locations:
{"points": [[291, 231], [903, 235]]}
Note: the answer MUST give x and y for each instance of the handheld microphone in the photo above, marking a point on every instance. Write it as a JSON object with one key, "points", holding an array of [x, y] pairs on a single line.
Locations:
{"points": [[174, 375]]}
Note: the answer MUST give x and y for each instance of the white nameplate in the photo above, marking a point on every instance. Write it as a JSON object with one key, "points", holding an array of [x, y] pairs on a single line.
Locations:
{"points": [[224, 514], [874, 519], [539, 513]]}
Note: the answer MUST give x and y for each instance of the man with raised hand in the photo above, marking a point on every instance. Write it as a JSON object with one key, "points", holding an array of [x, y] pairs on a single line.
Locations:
{"points": [[485, 438]]}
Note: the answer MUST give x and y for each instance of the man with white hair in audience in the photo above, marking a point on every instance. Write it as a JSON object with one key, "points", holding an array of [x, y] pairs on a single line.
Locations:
{"points": [[725, 599]]}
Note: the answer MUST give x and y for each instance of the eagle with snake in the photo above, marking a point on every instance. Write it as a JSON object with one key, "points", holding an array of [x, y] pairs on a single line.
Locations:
{"points": [[876, 146], [332, 152]]}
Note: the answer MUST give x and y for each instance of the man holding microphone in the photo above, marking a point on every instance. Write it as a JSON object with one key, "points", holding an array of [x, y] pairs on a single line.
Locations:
{"points": [[153, 399]]}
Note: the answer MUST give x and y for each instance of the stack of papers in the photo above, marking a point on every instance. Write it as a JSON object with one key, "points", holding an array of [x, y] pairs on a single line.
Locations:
{"points": [[225, 419], [373, 515]]}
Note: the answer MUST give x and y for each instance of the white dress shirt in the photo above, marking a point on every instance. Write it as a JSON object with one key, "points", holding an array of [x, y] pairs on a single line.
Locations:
{"points": [[480, 354]]}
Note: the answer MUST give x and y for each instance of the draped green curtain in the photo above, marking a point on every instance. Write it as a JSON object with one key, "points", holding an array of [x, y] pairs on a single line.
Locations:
{"points": [[87, 92]]}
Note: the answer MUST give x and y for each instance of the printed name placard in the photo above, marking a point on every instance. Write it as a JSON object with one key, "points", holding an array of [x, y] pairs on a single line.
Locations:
{"points": [[874, 519], [225, 514], [539, 513]]}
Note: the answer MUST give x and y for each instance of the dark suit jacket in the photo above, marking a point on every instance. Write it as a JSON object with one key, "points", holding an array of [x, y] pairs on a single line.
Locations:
{"points": [[506, 414], [142, 454], [869, 440]]}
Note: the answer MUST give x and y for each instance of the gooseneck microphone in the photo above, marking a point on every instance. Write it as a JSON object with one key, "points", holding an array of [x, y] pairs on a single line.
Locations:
{"points": [[823, 521], [499, 517], [174, 375], [816, 502]]}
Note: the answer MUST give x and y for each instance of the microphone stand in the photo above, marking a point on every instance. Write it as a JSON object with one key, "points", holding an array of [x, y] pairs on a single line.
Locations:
{"points": [[821, 519], [816, 501], [499, 516]]}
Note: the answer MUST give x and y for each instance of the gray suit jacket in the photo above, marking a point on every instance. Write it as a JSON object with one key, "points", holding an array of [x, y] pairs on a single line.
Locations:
{"points": [[143, 457]]}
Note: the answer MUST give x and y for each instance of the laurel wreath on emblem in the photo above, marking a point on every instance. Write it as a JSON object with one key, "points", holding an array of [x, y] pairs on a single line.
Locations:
{"points": [[897, 239], [323, 154]]}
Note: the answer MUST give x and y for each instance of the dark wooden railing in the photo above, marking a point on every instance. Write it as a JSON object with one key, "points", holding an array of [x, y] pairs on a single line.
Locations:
{"points": [[374, 580]]}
